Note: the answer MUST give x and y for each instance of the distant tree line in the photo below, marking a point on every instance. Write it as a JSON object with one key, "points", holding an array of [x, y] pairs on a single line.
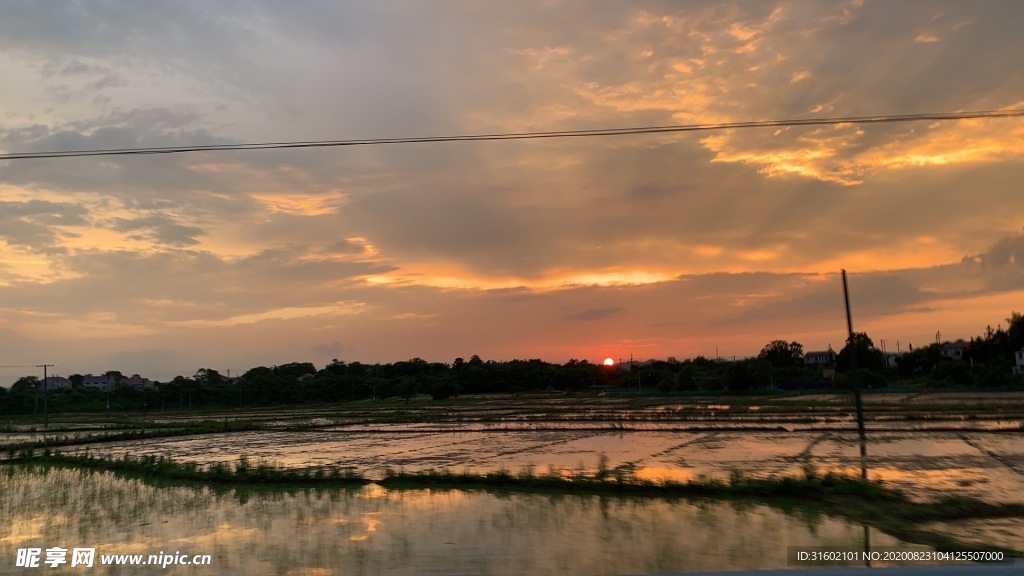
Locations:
{"points": [[986, 361]]}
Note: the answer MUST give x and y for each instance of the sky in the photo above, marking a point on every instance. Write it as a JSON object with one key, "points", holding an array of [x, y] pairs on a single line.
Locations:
{"points": [[650, 246]]}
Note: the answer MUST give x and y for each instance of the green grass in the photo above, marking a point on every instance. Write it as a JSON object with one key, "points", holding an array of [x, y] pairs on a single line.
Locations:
{"points": [[244, 471], [616, 483]]}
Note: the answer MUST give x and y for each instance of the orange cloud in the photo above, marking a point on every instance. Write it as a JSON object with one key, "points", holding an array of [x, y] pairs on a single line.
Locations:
{"points": [[552, 281], [832, 154], [800, 76], [289, 313], [303, 204], [963, 142]]}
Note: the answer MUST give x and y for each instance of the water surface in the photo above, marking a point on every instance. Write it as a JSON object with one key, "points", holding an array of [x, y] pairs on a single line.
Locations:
{"points": [[372, 530]]}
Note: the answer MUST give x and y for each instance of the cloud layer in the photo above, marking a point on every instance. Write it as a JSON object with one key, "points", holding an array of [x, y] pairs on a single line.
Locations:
{"points": [[650, 245]]}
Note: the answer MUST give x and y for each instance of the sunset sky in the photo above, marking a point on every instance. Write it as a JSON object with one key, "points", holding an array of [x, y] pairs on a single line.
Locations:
{"points": [[649, 245]]}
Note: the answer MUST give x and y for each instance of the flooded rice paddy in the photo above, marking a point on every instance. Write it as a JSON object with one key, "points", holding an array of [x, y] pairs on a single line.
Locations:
{"points": [[931, 446], [927, 465], [371, 530]]}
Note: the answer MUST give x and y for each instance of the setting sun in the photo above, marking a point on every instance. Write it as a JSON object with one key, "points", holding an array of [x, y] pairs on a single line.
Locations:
{"points": [[609, 362]]}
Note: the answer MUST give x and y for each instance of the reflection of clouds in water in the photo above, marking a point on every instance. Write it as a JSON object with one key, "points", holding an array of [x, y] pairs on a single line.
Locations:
{"points": [[916, 445], [1002, 532], [373, 491], [653, 474], [220, 532], [307, 531], [310, 571], [371, 526], [994, 484], [24, 531]]}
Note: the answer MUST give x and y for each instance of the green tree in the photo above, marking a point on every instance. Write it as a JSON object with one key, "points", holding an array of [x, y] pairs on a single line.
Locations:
{"points": [[293, 370], [868, 357], [782, 354], [685, 380], [749, 374], [868, 379], [1015, 331], [442, 387], [208, 377], [407, 388], [25, 384], [21, 399]]}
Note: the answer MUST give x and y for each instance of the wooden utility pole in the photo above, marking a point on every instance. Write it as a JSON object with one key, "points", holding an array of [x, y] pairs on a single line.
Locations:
{"points": [[856, 384], [46, 395]]}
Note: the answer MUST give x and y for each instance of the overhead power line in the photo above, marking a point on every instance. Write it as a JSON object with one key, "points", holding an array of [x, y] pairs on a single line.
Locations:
{"points": [[940, 116]]}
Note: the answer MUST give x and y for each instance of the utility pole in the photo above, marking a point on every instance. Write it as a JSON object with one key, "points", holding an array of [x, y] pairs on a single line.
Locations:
{"points": [[46, 395], [856, 383]]}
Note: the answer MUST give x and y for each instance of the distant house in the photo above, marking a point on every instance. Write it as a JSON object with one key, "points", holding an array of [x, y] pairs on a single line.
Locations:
{"points": [[99, 382], [137, 382], [954, 350], [1018, 367], [818, 358], [52, 383]]}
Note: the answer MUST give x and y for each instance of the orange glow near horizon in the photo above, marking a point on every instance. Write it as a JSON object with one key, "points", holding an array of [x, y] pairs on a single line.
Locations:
{"points": [[914, 254], [465, 281]]}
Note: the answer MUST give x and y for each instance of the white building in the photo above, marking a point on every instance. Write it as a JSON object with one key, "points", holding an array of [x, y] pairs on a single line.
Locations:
{"points": [[52, 383], [98, 382], [954, 350], [1018, 367], [137, 382], [818, 358]]}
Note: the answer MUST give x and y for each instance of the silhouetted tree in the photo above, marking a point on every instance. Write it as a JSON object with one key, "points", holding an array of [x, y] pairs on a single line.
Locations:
{"points": [[868, 357], [782, 354], [749, 374], [408, 388]]}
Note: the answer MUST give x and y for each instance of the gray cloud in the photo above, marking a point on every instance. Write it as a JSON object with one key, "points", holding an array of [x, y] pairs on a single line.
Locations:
{"points": [[139, 181], [147, 289], [161, 229], [38, 224]]}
